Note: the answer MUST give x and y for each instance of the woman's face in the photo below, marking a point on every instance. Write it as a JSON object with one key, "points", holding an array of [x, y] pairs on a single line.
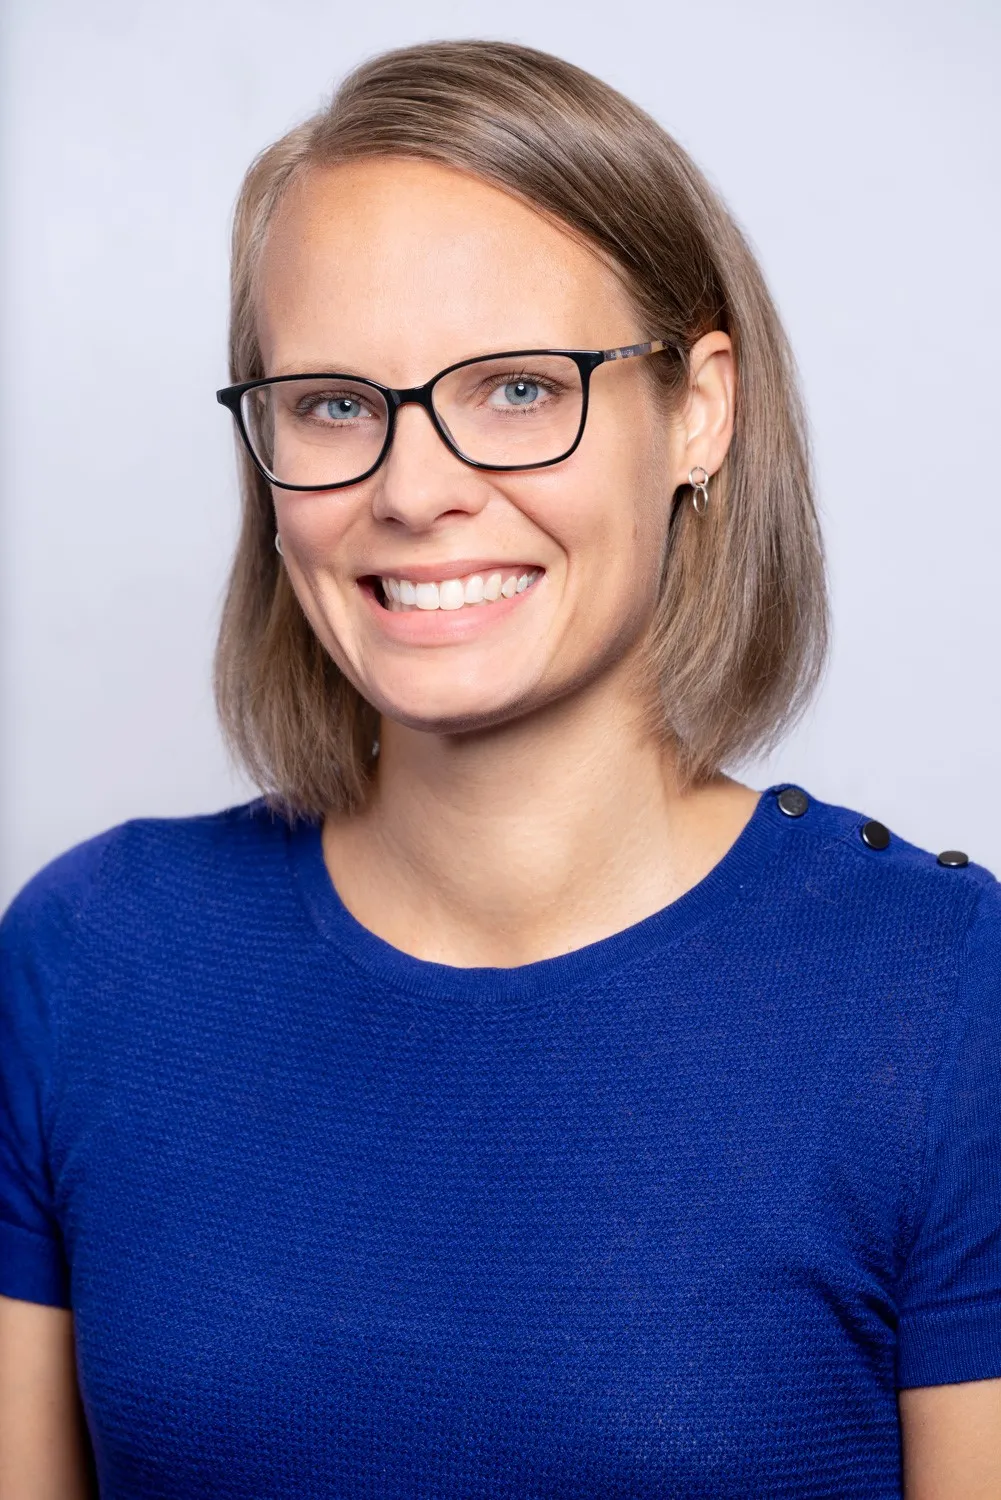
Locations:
{"points": [[394, 269]]}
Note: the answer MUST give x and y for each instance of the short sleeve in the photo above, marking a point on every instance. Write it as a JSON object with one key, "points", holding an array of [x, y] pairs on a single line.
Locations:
{"points": [[40, 935], [949, 1294]]}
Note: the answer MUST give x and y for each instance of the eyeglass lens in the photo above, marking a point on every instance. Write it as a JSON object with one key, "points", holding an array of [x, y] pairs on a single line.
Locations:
{"points": [[317, 431]]}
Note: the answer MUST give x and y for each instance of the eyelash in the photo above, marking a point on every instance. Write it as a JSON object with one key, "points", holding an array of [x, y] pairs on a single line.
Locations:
{"points": [[494, 382], [307, 406], [512, 377]]}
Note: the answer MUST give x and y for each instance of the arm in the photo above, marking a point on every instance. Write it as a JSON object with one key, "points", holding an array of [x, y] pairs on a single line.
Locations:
{"points": [[44, 1447], [949, 1291], [952, 1441]]}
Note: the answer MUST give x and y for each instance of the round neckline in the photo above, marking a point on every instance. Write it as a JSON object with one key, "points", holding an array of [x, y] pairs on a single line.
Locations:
{"points": [[728, 879]]}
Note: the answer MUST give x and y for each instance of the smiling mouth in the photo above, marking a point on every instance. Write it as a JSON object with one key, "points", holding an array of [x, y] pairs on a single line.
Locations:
{"points": [[399, 595]]}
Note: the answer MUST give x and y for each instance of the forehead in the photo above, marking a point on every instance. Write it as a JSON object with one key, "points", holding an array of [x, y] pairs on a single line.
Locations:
{"points": [[408, 263]]}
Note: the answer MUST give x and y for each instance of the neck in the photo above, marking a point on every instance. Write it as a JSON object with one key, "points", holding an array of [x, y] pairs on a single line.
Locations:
{"points": [[505, 846]]}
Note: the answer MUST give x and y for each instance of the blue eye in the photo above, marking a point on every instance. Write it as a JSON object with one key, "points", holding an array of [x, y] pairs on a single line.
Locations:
{"points": [[521, 392], [343, 408]]}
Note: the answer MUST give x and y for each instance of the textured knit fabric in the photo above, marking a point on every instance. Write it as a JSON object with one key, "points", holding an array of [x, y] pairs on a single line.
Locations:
{"points": [[675, 1214]]}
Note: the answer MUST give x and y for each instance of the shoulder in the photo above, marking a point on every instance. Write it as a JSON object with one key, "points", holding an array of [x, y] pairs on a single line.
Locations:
{"points": [[136, 863], [902, 896]]}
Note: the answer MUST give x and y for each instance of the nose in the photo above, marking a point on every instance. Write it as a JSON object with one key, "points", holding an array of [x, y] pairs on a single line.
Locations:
{"points": [[421, 479]]}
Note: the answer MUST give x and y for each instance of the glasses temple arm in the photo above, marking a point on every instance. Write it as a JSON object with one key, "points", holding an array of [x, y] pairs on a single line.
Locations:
{"points": [[627, 351]]}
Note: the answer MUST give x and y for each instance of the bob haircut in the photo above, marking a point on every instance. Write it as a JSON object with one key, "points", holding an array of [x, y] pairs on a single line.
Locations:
{"points": [[740, 633]]}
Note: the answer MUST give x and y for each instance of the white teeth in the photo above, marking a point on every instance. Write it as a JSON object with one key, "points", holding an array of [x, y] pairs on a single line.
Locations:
{"points": [[452, 593]]}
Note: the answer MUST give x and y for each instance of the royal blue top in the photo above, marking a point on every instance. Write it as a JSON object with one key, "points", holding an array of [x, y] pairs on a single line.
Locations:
{"points": [[676, 1213]]}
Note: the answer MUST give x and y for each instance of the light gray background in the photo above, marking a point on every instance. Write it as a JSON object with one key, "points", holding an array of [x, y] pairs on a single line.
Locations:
{"points": [[858, 144]]}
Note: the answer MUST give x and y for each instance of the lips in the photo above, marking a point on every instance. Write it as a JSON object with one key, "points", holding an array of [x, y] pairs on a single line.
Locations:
{"points": [[438, 613]]}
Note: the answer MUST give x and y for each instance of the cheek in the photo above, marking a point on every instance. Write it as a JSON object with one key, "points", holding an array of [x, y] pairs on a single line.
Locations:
{"points": [[317, 532], [607, 509], [629, 511], [317, 525]]}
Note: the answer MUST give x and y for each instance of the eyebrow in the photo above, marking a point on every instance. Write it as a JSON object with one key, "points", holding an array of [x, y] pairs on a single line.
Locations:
{"points": [[313, 369], [316, 368]]}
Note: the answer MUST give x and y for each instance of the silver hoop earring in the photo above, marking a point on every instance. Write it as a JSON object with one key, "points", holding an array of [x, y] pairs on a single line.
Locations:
{"points": [[278, 545], [700, 489]]}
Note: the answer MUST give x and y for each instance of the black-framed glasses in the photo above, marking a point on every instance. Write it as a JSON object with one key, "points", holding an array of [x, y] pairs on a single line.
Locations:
{"points": [[522, 409]]}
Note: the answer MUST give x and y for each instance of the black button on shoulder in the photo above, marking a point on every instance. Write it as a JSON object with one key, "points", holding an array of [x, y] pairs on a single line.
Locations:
{"points": [[953, 859], [793, 802], [875, 835]]}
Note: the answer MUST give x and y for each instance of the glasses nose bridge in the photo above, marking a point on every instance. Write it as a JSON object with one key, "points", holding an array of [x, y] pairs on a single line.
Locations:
{"points": [[415, 395], [420, 395]]}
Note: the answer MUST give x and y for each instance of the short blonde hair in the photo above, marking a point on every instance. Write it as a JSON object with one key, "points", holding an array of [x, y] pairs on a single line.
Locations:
{"points": [[740, 633]]}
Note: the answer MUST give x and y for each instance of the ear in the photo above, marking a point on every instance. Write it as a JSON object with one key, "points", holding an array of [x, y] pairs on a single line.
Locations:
{"points": [[707, 421]]}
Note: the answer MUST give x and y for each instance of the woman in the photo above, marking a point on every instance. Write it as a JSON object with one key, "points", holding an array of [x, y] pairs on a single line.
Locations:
{"points": [[507, 1102]]}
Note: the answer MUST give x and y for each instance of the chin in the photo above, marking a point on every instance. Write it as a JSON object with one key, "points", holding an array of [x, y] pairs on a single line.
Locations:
{"points": [[452, 712]]}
